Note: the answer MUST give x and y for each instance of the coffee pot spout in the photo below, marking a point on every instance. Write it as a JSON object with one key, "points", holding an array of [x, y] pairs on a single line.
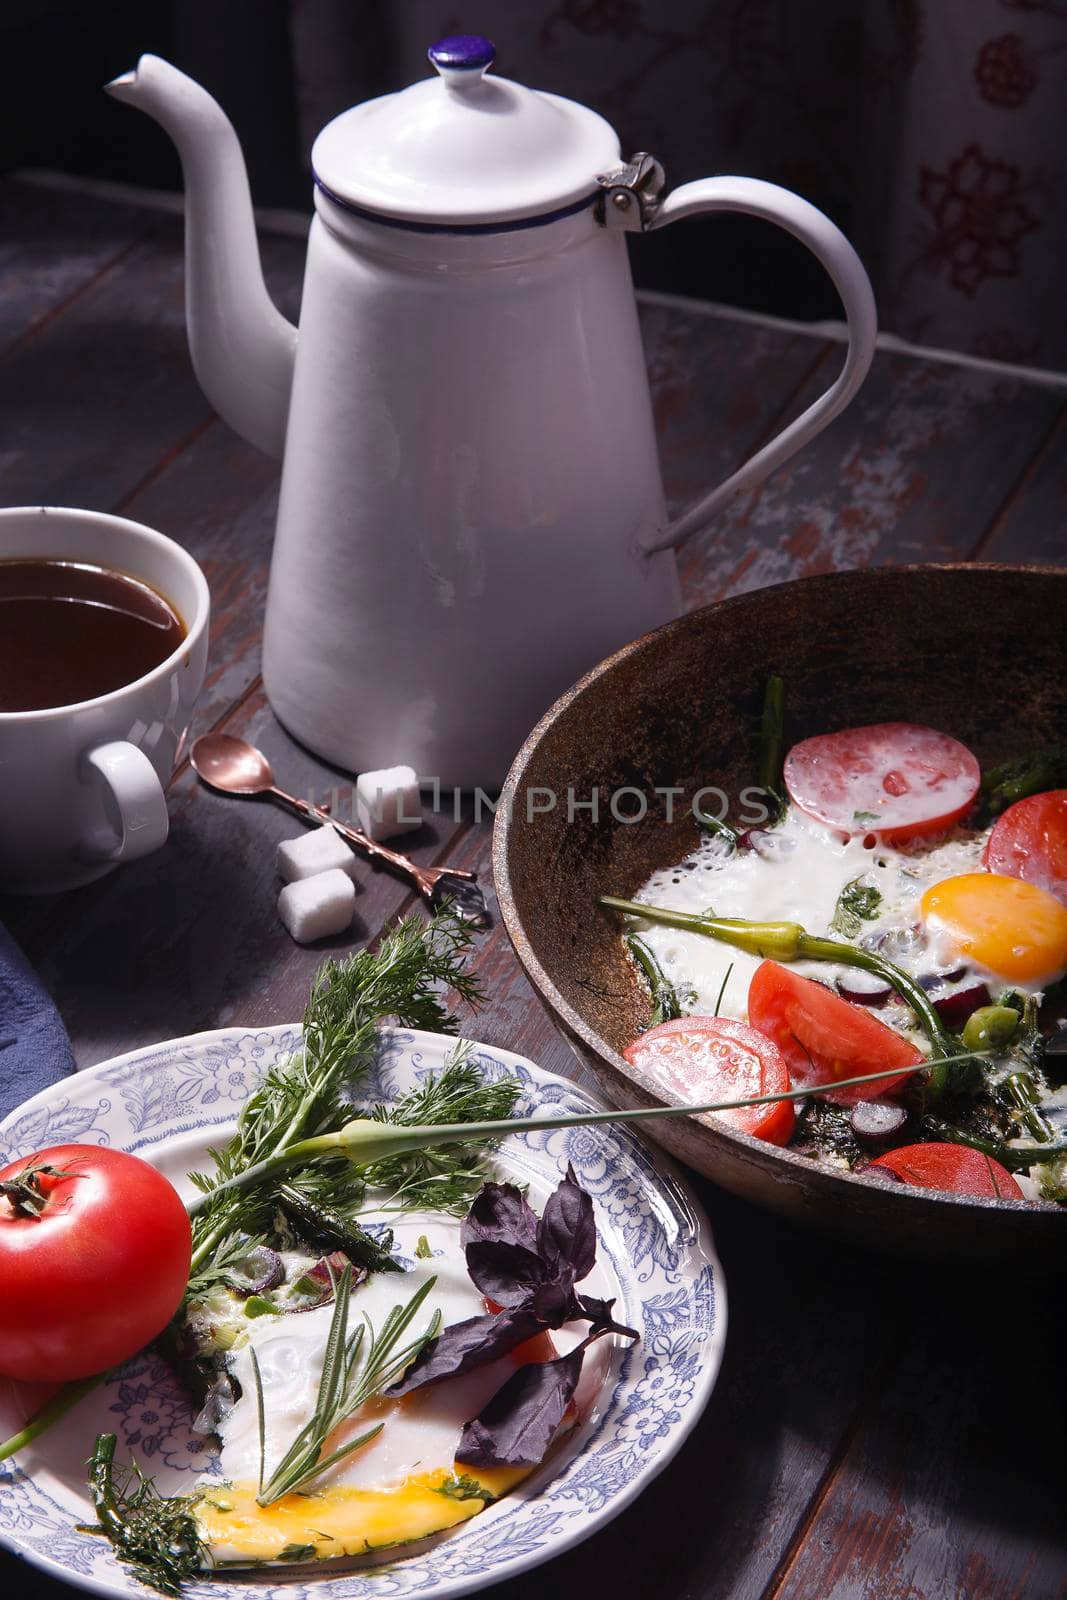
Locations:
{"points": [[241, 345]]}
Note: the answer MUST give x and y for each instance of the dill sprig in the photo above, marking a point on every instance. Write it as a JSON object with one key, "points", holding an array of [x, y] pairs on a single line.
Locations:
{"points": [[445, 1179], [347, 1382], [309, 1094], [155, 1536]]}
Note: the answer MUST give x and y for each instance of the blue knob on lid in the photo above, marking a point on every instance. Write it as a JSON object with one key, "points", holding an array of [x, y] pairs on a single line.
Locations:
{"points": [[462, 56]]}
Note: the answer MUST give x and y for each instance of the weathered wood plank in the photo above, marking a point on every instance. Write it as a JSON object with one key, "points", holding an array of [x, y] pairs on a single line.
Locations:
{"points": [[218, 499], [953, 1482], [105, 394], [718, 389], [1033, 524], [915, 470], [52, 246]]}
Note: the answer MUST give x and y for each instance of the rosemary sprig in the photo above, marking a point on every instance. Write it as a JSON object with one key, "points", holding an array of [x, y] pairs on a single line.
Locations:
{"points": [[346, 1383]]}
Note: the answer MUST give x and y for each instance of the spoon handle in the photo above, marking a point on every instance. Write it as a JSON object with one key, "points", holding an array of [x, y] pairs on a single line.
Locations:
{"points": [[424, 879]]}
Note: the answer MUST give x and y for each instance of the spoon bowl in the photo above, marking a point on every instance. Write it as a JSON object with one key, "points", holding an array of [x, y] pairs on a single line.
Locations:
{"points": [[231, 765]]}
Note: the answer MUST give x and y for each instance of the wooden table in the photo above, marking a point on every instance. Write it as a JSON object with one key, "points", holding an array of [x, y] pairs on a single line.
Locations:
{"points": [[877, 1428]]}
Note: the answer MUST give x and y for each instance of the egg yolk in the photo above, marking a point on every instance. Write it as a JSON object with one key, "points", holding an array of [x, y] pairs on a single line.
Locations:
{"points": [[1014, 928]]}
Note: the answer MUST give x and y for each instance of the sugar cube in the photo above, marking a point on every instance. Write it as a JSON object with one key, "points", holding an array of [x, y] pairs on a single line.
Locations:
{"points": [[313, 907], [316, 850], [387, 802]]}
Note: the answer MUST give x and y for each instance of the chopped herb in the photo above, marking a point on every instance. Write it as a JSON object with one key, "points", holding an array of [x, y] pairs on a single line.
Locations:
{"points": [[709, 824], [465, 1488], [154, 1536], [722, 987], [422, 1248], [865, 816], [857, 903], [297, 1552], [666, 1001], [258, 1305]]}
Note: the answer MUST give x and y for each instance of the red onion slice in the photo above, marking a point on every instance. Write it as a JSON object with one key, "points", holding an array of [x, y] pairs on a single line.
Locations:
{"points": [[320, 1281], [876, 1123], [863, 987], [955, 1008], [261, 1269]]}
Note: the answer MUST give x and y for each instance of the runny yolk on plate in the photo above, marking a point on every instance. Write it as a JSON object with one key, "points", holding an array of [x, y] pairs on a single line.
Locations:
{"points": [[1016, 929], [341, 1521]]}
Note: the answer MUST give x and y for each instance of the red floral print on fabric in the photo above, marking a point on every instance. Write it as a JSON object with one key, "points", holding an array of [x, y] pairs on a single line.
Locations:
{"points": [[1006, 76], [980, 217]]}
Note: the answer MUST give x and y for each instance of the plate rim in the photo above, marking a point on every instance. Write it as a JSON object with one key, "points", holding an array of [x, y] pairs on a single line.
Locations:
{"points": [[661, 1164]]}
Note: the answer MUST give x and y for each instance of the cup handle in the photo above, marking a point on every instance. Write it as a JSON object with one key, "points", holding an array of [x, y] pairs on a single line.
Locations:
{"points": [[826, 241], [136, 804]]}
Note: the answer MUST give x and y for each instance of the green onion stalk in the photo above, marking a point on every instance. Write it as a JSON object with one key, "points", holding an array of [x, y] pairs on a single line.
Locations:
{"points": [[365, 1141]]}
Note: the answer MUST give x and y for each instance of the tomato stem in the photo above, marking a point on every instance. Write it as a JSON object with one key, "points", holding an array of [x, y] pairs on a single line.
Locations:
{"points": [[24, 1193]]}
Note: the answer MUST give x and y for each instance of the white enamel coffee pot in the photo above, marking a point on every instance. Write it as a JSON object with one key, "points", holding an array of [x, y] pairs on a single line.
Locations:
{"points": [[471, 510]]}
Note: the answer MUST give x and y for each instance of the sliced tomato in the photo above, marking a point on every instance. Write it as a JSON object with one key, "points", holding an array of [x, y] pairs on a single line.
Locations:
{"points": [[954, 1167], [701, 1059], [895, 779], [823, 1037], [1030, 842]]}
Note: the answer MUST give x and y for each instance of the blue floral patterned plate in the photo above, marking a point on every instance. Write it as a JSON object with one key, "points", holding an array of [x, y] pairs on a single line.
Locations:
{"points": [[170, 1102]]}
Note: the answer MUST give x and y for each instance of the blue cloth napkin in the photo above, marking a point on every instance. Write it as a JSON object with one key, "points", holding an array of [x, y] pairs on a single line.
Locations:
{"points": [[34, 1048]]}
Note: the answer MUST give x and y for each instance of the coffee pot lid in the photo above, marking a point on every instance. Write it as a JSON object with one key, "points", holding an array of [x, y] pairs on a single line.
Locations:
{"points": [[464, 148]]}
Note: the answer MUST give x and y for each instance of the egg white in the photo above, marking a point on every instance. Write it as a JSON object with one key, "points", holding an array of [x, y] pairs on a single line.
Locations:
{"points": [[387, 1491]]}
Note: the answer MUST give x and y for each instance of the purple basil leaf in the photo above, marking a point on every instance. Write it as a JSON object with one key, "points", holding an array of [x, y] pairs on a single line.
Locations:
{"points": [[555, 1302], [518, 1424], [507, 1273], [566, 1235], [469, 1344], [500, 1212], [599, 1314]]}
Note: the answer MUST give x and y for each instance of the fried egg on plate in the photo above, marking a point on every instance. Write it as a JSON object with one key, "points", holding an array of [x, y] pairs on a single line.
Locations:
{"points": [[940, 917], [395, 1488]]}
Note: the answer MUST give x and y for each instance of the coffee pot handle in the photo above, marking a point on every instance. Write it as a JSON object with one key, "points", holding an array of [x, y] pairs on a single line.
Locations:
{"points": [[134, 801], [826, 241]]}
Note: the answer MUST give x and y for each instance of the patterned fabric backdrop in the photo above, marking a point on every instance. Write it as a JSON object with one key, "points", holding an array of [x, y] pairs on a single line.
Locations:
{"points": [[933, 131]]}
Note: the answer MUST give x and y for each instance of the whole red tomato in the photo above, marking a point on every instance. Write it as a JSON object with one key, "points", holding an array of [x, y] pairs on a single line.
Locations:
{"points": [[94, 1258]]}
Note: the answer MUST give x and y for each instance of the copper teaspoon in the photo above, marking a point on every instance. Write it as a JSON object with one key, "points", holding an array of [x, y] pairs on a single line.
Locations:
{"points": [[235, 767]]}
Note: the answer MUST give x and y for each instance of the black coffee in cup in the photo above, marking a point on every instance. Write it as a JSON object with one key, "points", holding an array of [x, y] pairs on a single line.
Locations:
{"points": [[70, 631]]}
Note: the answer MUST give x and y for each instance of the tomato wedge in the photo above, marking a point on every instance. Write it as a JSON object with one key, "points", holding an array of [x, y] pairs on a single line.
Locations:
{"points": [[701, 1059], [1029, 841], [823, 1037], [954, 1167], [896, 779]]}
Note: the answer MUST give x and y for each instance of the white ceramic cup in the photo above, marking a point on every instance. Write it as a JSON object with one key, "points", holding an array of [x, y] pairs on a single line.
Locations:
{"points": [[82, 786]]}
